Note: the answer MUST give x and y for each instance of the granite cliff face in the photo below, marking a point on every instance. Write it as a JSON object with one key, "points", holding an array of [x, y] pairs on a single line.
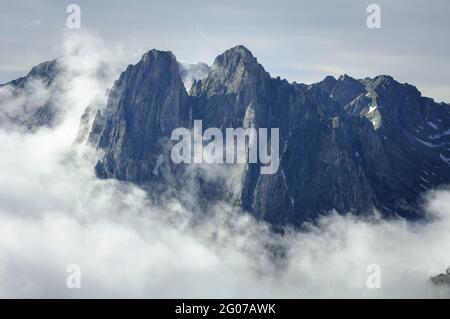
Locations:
{"points": [[145, 104], [350, 145]]}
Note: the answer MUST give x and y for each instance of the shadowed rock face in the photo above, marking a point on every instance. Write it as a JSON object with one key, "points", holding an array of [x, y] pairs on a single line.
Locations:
{"points": [[345, 144], [146, 103], [192, 72]]}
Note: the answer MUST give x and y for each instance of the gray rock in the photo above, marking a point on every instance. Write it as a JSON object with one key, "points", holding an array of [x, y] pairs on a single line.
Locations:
{"points": [[23, 107], [441, 279], [347, 145]]}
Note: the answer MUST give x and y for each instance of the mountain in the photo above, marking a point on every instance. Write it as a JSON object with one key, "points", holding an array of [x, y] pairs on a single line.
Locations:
{"points": [[146, 103], [349, 145], [27, 102]]}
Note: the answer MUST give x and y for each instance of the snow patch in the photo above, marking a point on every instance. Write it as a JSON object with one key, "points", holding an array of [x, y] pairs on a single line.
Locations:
{"points": [[438, 136], [445, 159], [433, 125], [423, 179], [424, 143], [287, 188]]}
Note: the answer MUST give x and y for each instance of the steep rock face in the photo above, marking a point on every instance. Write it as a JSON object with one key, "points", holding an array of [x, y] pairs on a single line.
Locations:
{"points": [[413, 141], [343, 90], [442, 279], [236, 83], [236, 93], [345, 144], [146, 103], [27, 103], [318, 141]]}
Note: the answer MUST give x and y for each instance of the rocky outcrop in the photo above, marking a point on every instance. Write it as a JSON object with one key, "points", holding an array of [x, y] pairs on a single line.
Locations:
{"points": [[412, 142], [345, 144], [145, 104], [27, 103]]}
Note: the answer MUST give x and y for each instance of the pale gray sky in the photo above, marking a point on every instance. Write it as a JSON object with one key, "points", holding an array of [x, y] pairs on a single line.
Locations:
{"points": [[301, 41]]}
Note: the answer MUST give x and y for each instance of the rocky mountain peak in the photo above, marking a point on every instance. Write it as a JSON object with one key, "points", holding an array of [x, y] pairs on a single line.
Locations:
{"points": [[144, 106], [157, 64], [343, 90], [45, 72], [386, 83], [155, 54], [380, 83], [329, 80], [346, 78], [345, 144], [238, 55], [35, 110], [234, 71]]}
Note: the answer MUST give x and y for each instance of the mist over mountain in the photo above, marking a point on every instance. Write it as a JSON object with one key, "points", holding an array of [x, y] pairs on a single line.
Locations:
{"points": [[24, 109], [349, 145], [346, 144]]}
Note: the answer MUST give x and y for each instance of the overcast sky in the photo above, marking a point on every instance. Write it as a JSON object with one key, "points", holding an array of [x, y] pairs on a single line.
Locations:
{"points": [[301, 41]]}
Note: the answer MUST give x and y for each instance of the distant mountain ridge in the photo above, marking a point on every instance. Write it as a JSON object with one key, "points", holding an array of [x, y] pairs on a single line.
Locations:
{"points": [[345, 144], [37, 111]]}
